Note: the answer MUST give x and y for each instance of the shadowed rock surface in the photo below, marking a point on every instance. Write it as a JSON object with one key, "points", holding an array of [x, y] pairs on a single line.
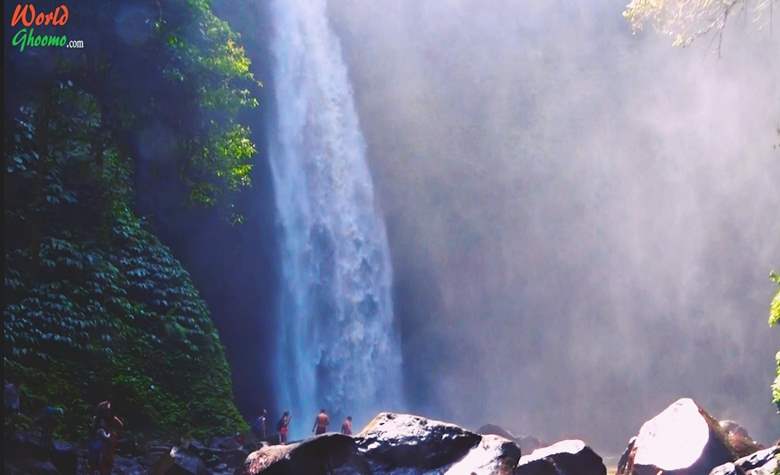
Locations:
{"points": [[391, 444], [762, 462], [682, 440], [567, 457], [739, 439], [493, 455], [324, 454], [527, 443], [396, 441]]}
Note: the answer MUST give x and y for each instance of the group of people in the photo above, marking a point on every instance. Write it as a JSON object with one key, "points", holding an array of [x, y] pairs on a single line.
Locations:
{"points": [[321, 423], [103, 436], [259, 426]]}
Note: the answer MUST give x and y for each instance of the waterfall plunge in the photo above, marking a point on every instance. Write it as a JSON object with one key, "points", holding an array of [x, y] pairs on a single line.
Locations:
{"points": [[337, 346]]}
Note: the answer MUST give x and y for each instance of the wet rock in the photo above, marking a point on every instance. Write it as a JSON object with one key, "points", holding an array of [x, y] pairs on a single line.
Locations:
{"points": [[567, 457], [493, 455], [64, 456], [179, 462], [622, 466], [227, 442], [395, 442], [761, 462], [391, 444], [739, 439], [527, 443], [36, 467], [321, 455], [128, 466], [682, 440], [27, 445]]}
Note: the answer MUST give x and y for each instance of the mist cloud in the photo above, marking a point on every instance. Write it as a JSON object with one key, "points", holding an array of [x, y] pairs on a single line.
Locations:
{"points": [[582, 220]]}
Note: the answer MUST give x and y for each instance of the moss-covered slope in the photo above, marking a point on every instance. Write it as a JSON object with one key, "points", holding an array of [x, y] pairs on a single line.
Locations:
{"points": [[96, 306]]}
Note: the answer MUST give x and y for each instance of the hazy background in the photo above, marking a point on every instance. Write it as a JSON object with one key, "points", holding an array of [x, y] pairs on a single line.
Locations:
{"points": [[582, 221]]}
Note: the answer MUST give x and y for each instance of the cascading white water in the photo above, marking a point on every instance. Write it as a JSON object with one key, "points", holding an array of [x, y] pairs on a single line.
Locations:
{"points": [[337, 345]]}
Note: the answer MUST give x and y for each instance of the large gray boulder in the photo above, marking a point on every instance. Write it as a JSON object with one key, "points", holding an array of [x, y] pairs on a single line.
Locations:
{"points": [[567, 457], [762, 462], [391, 444], [682, 440], [128, 466], [179, 462], [527, 443], [395, 442], [493, 455], [321, 455]]}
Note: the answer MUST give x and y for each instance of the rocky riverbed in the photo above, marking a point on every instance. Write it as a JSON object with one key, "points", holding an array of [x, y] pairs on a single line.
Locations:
{"points": [[683, 439]]}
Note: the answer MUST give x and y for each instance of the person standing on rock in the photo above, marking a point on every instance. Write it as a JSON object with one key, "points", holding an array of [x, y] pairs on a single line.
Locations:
{"points": [[284, 427], [259, 426], [321, 423], [105, 434], [346, 426]]}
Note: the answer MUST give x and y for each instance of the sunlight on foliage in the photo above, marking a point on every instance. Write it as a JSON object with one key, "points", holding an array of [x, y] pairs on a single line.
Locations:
{"points": [[207, 57], [774, 319], [686, 20]]}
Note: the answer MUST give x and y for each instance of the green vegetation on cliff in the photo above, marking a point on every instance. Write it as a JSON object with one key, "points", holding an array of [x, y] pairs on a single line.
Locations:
{"points": [[96, 306]]}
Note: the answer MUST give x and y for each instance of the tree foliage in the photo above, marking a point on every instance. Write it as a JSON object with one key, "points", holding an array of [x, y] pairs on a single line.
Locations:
{"points": [[774, 319], [171, 72], [95, 305], [686, 20], [205, 54]]}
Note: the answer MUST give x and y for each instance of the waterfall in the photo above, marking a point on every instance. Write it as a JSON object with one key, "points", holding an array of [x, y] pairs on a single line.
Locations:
{"points": [[337, 346]]}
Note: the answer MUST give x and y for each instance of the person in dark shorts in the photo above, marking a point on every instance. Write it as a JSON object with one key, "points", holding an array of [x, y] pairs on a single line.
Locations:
{"points": [[284, 427], [106, 428], [259, 426], [321, 423], [346, 426]]}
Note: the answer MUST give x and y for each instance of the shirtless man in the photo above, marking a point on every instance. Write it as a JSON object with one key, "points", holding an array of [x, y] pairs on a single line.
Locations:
{"points": [[321, 423], [346, 426]]}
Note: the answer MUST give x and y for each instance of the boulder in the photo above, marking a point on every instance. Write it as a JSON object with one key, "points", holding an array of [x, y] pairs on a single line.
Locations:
{"points": [[527, 443], [739, 439], [493, 455], [179, 462], [227, 442], [128, 466], [682, 440], [25, 453], [402, 442], [391, 444], [27, 445], [761, 462], [321, 455], [622, 466], [567, 457], [37, 467], [64, 456]]}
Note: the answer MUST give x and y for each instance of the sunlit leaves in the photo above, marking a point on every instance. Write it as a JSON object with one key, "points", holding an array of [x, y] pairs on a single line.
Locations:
{"points": [[207, 57], [685, 20], [774, 319]]}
